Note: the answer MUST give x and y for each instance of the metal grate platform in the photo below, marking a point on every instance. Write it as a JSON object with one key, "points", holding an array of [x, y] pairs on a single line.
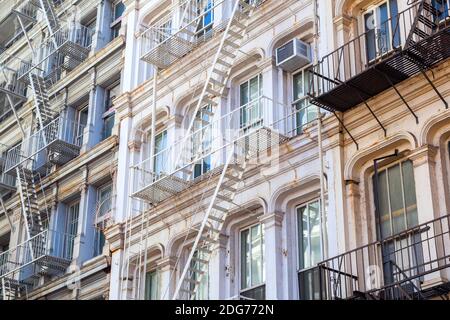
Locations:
{"points": [[168, 52]]}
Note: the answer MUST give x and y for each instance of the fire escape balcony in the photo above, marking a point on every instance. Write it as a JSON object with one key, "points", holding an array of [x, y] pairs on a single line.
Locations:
{"points": [[408, 43], [61, 139], [185, 28], [11, 29], [12, 91], [256, 127], [413, 264], [48, 253]]}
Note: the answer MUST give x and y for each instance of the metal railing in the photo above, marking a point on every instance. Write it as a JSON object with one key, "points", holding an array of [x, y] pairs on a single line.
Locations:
{"points": [[105, 212], [197, 23], [394, 268], [209, 141], [9, 82], [58, 129], [47, 243], [377, 43]]}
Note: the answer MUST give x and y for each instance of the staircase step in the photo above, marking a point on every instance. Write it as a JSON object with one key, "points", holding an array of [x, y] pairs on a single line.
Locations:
{"points": [[219, 72], [219, 208], [192, 281], [231, 44], [213, 92], [201, 261], [193, 270], [216, 219], [224, 198], [205, 250], [208, 240], [229, 188], [420, 33], [224, 63], [228, 54], [216, 82], [209, 101], [233, 178], [235, 34], [238, 24], [427, 22]]}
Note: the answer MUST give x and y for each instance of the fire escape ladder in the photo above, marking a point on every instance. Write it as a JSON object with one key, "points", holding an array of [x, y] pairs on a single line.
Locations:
{"points": [[207, 238], [11, 289], [28, 199], [218, 74], [43, 111], [50, 16]]}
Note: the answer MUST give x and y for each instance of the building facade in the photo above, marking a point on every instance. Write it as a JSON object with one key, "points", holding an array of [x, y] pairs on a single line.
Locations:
{"points": [[221, 149]]}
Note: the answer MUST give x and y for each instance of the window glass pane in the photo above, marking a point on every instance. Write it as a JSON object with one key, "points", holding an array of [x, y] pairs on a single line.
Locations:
{"points": [[244, 94], [203, 287], [151, 286], [256, 255], [304, 218], [316, 251], [119, 9], [394, 22], [383, 25], [383, 205], [396, 199], [369, 24], [410, 194], [160, 154], [245, 259]]}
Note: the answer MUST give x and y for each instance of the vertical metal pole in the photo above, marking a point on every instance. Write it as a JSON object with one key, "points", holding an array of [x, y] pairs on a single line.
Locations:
{"points": [[152, 164], [323, 217]]}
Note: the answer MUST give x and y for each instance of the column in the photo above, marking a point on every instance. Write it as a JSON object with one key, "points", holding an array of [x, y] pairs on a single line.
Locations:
{"points": [[94, 127], [131, 54], [217, 270], [115, 239], [102, 34], [428, 209], [273, 255], [166, 284]]}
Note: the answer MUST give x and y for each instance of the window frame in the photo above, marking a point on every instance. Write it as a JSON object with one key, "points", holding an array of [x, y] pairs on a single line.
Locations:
{"points": [[298, 129], [69, 243], [297, 225], [381, 169], [247, 122], [373, 8], [147, 294], [242, 290], [108, 110], [116, 24]]}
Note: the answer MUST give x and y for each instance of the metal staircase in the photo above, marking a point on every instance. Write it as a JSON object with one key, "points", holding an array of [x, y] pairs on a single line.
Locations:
{"points": [[212, 224], [218, 75], [44, 113], [28, 198], [49, 13], [11, 289]]}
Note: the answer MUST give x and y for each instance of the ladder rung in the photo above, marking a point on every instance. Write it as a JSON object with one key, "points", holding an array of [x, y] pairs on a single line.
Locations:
{"points": [[207, 100], [216, 82], [217, 219], [231, 177], [202, 261], [209, 240], [228, 54], [235, 34], [229, 188], [231, 44], [224, 63], [217, 207], [224, 198], [213, 92], [206, 250], [196, 270], [219, 72], [236, 23], [213, 230], [191, 281]]}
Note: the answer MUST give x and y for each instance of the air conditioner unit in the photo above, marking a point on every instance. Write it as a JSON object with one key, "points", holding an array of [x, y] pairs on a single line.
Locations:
{"points": [[293, 55]]}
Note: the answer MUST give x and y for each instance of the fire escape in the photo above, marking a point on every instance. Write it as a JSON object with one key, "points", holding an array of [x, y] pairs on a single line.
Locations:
{"points": [[163, 46], [55, 141], [409, 43]]}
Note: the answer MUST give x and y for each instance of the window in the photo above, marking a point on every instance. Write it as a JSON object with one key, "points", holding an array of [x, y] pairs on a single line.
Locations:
{"points": [[104, 204], [380, 23], [71, 229], [205, 11], [250, 103], [201, 140], [309, 229], [118, 10], [160, 164], [304, 111], [109, 112], [90, 31], [309, 235], [202, 292], [442, 6], [252, 262], [82, 119], [396, 205], [151, 285]]}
